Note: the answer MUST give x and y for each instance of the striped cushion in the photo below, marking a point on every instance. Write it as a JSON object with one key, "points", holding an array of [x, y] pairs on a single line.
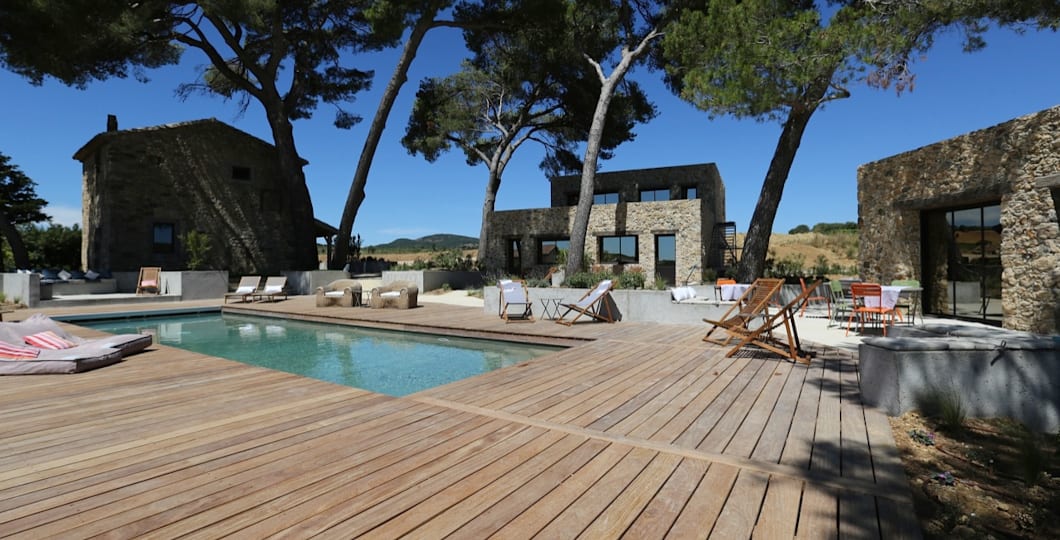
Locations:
{"points": [[8, 350], [47, 340]]}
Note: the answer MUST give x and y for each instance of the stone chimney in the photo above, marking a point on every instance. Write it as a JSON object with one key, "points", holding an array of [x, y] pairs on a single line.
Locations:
{"points": [[112, 122]]}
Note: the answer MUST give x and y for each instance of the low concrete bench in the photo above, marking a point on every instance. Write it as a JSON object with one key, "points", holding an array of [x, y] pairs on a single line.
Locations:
{"points": [[996, 372]]}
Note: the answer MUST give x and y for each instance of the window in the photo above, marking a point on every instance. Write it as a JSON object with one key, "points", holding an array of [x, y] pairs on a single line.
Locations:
{"points": [[650, 195], [514, 256], [547, 250], [605, 198], [164, 236], [240, 173], [618, 249], [691, 193]]}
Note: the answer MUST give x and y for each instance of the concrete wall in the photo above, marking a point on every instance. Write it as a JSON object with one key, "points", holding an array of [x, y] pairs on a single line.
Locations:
{"points": [[639, 305], [902, 199], [23, 288], [994, 373], [306, 282], [429, 280]]}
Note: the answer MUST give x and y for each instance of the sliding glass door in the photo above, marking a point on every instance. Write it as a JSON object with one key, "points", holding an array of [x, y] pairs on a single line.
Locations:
{"points": [[973, 263]]}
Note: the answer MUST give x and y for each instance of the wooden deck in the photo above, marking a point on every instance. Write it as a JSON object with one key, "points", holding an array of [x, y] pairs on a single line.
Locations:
{"points": [[636, 431]]}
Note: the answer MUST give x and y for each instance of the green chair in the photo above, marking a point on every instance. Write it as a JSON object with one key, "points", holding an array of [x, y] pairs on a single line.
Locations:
{"points": [[840, 303], [908, 301]]}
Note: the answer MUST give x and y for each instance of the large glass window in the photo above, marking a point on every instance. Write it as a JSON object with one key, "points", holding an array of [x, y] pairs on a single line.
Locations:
{"points": [[965, 254], [651, 195], [618, 249], [605, 198], [164, 238], [548, 250]]}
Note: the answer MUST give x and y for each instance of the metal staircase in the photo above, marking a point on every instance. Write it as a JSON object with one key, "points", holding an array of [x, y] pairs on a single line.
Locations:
{"points": [[724, 244]]}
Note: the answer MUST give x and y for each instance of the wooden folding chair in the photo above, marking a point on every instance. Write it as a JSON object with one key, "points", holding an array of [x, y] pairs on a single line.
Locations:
{"points": [[595, 303], [762, 336], [752, 304], [150, 280]]}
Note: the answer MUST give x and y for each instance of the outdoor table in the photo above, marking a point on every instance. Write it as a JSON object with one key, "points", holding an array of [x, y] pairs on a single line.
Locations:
{"points": [[550, 307], [734, 292]]}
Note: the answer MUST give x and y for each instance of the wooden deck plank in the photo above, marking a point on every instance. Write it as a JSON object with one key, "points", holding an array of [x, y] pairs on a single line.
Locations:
{"points": [[700, 515], [627, 506], [599, 439], [504, 511]]}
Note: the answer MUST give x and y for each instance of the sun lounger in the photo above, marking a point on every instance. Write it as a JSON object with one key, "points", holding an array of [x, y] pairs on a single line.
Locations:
{"points": [[274, 288], [248, 285]]}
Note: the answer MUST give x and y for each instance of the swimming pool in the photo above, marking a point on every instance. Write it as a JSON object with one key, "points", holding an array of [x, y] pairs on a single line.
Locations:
{"points": [[393, 363]]}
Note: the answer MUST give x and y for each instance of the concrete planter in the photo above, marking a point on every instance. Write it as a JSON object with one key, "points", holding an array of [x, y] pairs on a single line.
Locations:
{"points": [[429, 280]]}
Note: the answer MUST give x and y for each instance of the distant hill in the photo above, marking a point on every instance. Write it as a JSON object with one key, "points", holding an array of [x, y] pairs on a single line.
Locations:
{"points": [[434, 242]]}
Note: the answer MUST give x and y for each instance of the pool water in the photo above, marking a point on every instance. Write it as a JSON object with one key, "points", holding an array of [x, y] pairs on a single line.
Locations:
{"points": [[393, 363]]}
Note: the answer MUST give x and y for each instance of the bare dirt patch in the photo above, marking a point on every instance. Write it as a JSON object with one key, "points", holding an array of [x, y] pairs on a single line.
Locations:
{"points": [[990, 479]]}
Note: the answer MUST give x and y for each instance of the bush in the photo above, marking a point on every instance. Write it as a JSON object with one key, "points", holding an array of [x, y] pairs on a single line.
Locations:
{"points": [[197, 247], [452, 259], [586, 280], [631, 278]]}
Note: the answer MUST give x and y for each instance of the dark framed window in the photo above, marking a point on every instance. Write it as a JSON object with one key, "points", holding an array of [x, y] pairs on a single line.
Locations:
{"points": [[618, 249], [605, 198], [514, 256], [548, 249], [572, 198], [240, 172], [654, 195], [164, 237], [691, 193]]}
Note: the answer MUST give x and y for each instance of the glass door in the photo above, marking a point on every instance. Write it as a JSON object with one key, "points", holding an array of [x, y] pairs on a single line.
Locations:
{"points": [[666, 258], [974, 263]]}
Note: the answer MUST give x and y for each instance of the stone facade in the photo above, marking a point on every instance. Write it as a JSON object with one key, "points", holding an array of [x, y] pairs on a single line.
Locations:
{"points": [[903, 200], [691, 221], [158, 183]]}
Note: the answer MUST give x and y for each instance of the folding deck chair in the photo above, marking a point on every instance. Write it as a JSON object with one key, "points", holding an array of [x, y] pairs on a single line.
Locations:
{"points": [[595, 303], [515, 301], [762, 336], [752, 304], [150, 280]]}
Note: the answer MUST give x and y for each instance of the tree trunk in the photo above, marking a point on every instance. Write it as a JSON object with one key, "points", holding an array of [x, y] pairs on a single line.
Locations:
{"points": [[375, 133], [592, 148], [487, 263], [14, 239], [303, 252], [756, 243], [585, 195]]}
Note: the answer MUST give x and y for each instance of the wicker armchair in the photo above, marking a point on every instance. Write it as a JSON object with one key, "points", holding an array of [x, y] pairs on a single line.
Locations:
{"points": [[398, 294], [343, 292]]}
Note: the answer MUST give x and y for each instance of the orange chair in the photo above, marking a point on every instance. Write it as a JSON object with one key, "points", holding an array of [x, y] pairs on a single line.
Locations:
{"points": [[867, 299], [809, 298]]}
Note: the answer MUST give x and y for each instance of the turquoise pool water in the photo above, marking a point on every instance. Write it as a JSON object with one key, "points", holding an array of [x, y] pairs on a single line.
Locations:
{"points": [[393, 363]]}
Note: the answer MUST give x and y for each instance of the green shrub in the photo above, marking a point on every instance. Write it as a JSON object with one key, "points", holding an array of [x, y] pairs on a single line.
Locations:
{"points": [[660, 283], [586, 280], [538, 282], [631, 278], [451, 259], [197, 245], [945, 405]]}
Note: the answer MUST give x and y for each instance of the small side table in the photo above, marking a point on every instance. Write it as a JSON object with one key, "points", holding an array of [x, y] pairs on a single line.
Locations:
{"points": [[550, 307]]}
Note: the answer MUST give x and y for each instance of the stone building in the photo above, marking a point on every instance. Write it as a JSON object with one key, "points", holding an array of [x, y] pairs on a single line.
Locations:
{"points": [[144, 189], [974, 218], [661, 220]]}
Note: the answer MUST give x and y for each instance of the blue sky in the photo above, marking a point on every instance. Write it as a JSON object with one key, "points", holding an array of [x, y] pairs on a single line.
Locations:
{"points": [[407, 197]]}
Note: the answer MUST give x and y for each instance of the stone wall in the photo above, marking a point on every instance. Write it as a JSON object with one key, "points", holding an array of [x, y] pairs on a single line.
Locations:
{"points": [[204, 176], [644, 220], [691, 221], [898, 198]]}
